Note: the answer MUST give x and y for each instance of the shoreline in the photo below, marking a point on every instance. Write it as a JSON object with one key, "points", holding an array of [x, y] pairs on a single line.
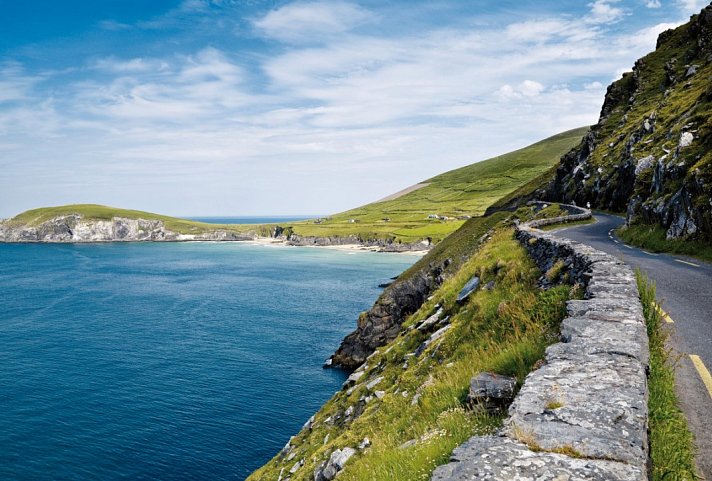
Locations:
{"points": [[270, 241]]}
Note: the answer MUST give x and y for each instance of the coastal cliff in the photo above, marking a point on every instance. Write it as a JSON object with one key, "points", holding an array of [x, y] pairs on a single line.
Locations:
{"points": [[650, 154], [75, 228]]}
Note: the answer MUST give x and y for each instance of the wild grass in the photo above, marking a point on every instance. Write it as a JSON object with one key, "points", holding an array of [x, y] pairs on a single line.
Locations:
{"points": [[653, 238], [672, 447], [422, 416]]}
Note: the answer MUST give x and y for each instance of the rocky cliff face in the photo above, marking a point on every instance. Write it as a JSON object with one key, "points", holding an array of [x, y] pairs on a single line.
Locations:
{"points": [[650, 154], [74, 228], [382, 323]]}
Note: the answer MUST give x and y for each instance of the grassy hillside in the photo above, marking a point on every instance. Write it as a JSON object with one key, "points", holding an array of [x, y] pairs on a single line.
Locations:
{"points": [[467, 191], [412, 408], [650, 155]]}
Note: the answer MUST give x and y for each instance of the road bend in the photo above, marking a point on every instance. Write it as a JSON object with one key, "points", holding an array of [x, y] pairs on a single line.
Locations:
{"points": [[684, 287]]}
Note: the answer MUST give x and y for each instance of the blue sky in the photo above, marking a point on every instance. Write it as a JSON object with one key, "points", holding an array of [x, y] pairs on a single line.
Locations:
{"points": [[244, 107]]}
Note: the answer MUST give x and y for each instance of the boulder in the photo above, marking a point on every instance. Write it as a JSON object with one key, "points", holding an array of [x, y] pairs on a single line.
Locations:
{"points": [[491, 391], [468, 289], [328, 470]]}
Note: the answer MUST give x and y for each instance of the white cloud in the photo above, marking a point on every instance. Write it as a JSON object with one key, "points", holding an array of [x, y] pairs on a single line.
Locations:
{"points": [[357, 110], [689, 7], [528, 88], [653, 4], [15, 83], [309, 20], [603, 11], [134, 65]]}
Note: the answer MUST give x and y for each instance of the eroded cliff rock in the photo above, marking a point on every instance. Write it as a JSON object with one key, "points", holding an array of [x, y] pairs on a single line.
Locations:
{"points": [[74, 228], [382, 323], [650, 155]]}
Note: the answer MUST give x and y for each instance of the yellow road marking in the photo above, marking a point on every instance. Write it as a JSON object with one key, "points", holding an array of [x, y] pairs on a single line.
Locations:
{"points": [[703, 372], [688, 263], [664, 314]]}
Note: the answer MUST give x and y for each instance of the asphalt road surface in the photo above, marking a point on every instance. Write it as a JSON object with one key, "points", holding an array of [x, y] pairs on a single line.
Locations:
{"points": [[684, 287]]}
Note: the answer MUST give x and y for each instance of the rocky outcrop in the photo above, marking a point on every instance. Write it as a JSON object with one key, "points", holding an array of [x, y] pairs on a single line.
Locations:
{"points": [[583, 414], [650, 154], [382, 323], [74, 228], [382, 245]]}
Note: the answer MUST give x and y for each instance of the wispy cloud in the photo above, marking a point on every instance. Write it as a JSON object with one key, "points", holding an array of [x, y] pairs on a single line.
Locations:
{"points": [[307, 21], [605, 11], [359, 105]]}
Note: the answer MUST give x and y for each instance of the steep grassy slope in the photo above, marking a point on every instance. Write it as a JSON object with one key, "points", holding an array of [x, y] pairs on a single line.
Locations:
{"points": [[410, 405], [467, 191], [650, 154]]}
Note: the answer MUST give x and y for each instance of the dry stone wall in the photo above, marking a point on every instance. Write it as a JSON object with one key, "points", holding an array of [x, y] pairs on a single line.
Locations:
{"points": [[583, 415]]}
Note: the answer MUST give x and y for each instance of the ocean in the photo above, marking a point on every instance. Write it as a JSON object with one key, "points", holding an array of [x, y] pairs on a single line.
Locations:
{"points": [[170, 361]]}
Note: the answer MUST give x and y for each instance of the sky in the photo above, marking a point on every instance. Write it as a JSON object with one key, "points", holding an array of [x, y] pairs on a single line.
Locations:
{"points": [[271, 107]]}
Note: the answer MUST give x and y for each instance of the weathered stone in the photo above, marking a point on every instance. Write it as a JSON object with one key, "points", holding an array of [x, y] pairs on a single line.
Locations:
{"points": [[589, 400], [296, 466], [491, 391], [431, 321], [594, 336], [686, 139], [646, 163], [501, 459], [434, 337], [467, 290], [374, 383], [328, 470]]}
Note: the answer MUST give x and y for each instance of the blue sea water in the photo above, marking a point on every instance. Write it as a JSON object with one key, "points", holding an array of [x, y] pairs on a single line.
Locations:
{"points": [[169, 361]]}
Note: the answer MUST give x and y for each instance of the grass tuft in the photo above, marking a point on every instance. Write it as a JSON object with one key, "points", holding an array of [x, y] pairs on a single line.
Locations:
{"points": [[672, 447], [653, 238]]}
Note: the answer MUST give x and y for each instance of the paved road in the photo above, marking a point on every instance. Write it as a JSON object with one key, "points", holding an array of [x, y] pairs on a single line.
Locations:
{"points": [[685, 289]]}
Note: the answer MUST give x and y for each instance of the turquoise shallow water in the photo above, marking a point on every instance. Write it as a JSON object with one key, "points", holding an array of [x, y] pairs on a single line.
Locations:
{"points": [[168, 361]]}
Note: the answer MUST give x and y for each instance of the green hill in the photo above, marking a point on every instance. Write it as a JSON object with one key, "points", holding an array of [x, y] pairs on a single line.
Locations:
{"points": [[449, 198], [466, 191], [35, 217]]}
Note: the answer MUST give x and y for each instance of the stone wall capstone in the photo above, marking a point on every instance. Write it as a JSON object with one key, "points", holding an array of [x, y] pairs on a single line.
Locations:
{"points": [[584, 414]]}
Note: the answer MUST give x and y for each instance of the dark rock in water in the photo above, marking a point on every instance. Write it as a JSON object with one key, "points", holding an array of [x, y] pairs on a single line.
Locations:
{"points": [[492, 391], [469, 288], [385, 284], [382, 323]]}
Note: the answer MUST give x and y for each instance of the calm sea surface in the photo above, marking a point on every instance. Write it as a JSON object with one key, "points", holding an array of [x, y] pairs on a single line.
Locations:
{"points": [[168, 361]]}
